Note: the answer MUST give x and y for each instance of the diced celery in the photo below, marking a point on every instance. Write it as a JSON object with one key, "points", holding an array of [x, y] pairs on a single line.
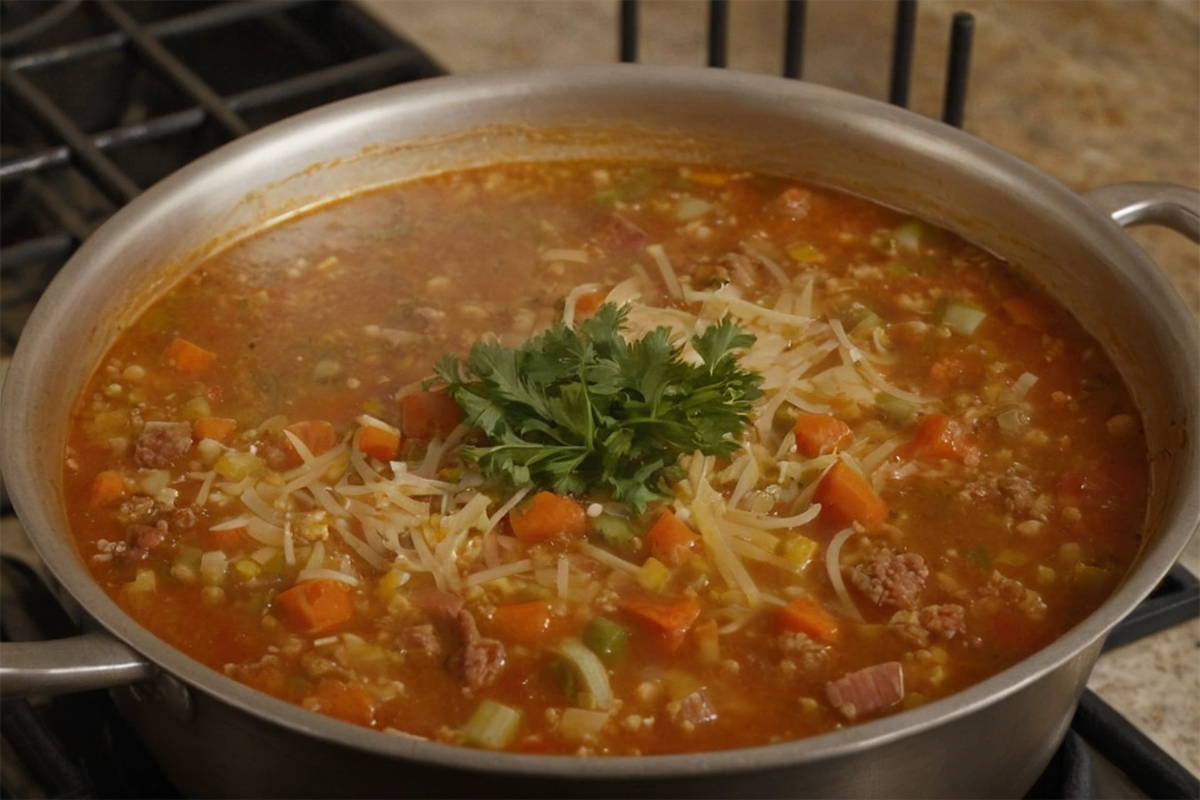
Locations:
{"points": [[1088, 577], [606, 638], [911, 234], [144, 582], [960, 317], [868, 323], [899, 411], [1012, 420], [584, 671], [979, 557], [492, 726], [691, 208], [614, 530], [580, 725]]}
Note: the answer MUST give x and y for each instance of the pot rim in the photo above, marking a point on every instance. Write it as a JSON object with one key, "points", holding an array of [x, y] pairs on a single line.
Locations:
{"points": [[967, 152]]}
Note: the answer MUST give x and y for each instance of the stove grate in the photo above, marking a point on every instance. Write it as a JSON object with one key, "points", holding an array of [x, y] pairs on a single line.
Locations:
{"points": [[110, 97]]}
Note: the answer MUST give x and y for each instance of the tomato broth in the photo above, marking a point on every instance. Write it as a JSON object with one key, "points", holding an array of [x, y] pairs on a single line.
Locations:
{"points": [[606, 459]]}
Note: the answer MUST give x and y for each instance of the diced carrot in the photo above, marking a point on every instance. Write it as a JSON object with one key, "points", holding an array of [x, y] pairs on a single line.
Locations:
{"points": [[820, 434], [670, 540], [524, 623], [424, 415], [547, 516], [227, 539], [188, 357], [377, 442], [805, 615], [1024, 311], [315, 434], [845, 497], [937, 436], [587, 304], [346, 701], [316, 607], [669, 617], [218, 429], [108, 487]]}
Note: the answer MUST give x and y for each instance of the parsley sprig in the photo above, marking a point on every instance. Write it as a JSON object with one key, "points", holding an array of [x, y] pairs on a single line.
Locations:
{"points": [[579, 410]]}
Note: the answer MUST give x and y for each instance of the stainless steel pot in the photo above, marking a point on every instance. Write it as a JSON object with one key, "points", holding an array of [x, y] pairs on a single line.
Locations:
{"points": [[216, 737]]}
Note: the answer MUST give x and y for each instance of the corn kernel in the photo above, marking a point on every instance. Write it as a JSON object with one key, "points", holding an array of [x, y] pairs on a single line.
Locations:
{"points": [[247, 569], [805, 253], [800, 550], [1046, 575], [653, 574]]}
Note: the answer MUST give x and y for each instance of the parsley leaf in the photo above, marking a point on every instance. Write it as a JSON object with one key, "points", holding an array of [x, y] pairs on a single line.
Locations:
{"points": [[580, 410]]}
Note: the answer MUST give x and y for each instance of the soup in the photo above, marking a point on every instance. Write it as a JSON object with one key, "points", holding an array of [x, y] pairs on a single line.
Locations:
{"points": [[606, 459]]}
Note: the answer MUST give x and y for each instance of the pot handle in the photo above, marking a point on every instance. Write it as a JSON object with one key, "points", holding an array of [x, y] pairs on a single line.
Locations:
{"points": [[1129, 204], [94, 660]]}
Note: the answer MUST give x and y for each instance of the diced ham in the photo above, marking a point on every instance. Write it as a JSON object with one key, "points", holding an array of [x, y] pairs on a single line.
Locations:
{"points": [[624, 235], [867, 690], [891, 579], [437, 604], [162, 444]]}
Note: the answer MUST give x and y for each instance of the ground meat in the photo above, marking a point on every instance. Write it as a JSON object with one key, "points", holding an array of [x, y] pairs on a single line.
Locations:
{"points": [[801, 652], [867, 690], [136, 510], [143, 539], [422, 640], [891, 579], [183, 518], [921, 628], [162, 444], [480, 659], [1014, 493], [945, 620], [1015, 593], [691, 710]]}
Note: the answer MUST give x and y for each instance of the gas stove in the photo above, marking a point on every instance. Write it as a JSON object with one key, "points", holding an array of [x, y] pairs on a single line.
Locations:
{"points": [[104, 98]]}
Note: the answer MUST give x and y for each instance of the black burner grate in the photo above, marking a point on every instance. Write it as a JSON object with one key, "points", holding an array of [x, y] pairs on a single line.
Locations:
{"points": [[103, 99]]}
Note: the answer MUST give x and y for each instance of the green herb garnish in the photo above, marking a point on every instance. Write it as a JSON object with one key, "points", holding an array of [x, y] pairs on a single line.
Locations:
{"points": [[578, 410]]}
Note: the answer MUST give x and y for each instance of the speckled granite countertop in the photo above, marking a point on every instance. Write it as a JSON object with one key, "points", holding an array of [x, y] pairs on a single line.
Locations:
{"points": [[1090, 92]]}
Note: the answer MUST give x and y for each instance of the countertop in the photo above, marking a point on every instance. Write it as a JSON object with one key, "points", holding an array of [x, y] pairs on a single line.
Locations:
{"points": [[1090, 92]]}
